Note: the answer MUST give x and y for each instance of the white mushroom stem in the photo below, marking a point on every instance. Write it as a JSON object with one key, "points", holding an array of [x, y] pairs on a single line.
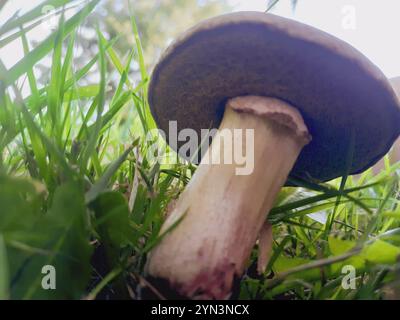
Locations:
{"points": [[223, 212]]}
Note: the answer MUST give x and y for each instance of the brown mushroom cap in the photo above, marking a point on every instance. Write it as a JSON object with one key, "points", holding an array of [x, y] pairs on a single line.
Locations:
{"points": [[347, 103]]}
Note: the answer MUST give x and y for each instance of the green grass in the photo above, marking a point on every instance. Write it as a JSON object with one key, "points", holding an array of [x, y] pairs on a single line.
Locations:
{"points": [[77, 191]]}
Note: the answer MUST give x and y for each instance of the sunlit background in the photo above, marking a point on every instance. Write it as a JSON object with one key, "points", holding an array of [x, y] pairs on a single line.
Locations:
{"points": [[370, 26]]}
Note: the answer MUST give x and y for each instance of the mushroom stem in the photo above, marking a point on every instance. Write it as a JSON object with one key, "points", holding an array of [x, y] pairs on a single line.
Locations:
{"points": [[223, 211]]}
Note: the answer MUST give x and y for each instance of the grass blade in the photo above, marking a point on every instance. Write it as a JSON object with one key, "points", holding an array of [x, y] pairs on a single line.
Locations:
{"points": [[46, 46], [4, 273]]}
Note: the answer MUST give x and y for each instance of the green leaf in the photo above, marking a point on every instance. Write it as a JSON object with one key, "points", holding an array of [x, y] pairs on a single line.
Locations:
{"points": [[112, 220], [339, 246], [59, 238], [378, 252], [19, 206], [66, 237], [4, 273], [381, 252], [283, 263]]}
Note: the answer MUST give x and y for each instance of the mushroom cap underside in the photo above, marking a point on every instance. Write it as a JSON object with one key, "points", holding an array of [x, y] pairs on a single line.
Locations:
{"points": [[347, 103]]}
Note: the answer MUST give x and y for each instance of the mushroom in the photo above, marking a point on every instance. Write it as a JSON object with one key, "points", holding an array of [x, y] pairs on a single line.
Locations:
{"points": [[319, 109], [394, 154], [395, 82]]}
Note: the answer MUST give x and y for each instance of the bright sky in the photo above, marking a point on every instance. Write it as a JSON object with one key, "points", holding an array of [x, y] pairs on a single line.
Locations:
{"points": [[13, 52], [369, 25]]}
